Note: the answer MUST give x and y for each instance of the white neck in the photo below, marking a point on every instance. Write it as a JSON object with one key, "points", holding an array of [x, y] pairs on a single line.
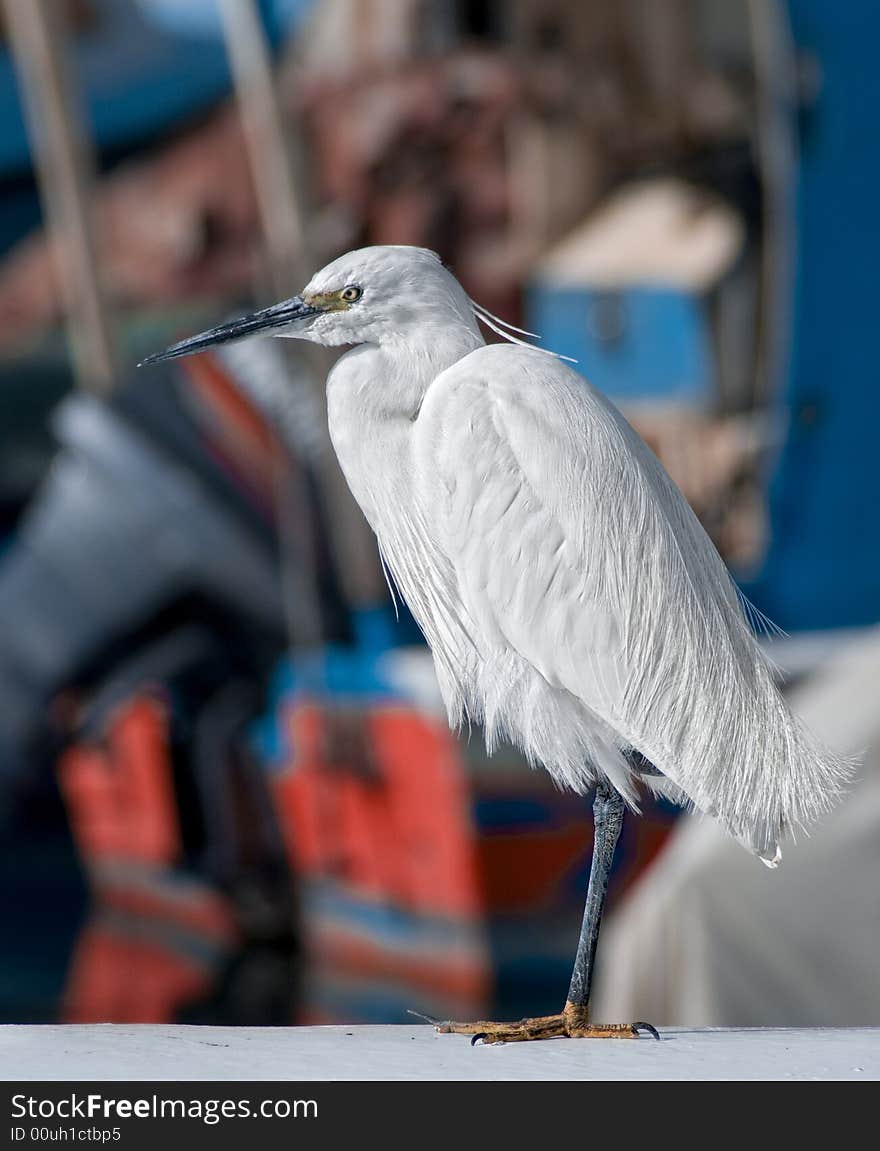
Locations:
{"points": [[374, 394]]}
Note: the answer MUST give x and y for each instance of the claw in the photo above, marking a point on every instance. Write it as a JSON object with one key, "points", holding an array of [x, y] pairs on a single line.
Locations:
{"points": [[647, 1027], [572, 1023]]}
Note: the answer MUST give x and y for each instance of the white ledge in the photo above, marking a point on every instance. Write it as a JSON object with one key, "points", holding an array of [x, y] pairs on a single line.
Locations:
{"points": [[116, 1052]]}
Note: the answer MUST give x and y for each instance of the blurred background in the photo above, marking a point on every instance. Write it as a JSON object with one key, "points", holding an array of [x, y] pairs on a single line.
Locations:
{"points": [[227, 790]]}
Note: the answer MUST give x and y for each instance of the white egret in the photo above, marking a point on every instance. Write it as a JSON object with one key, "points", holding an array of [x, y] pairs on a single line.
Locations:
{"points": [[572, 601]]}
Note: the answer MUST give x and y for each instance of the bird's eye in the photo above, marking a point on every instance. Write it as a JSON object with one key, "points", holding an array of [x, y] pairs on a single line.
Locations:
{"points": [[350, 294]]}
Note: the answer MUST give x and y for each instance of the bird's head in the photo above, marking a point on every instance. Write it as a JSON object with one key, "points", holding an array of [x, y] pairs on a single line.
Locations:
{"points": [[373, 295]]}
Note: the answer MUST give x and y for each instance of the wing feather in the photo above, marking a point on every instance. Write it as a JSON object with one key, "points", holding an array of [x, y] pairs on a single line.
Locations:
{"points": [[570, 543]]}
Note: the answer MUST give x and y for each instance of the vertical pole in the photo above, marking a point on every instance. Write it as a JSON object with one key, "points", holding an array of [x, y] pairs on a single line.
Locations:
{"points": [[775, 72], [64, 174], [281, 207], [283, 215]]}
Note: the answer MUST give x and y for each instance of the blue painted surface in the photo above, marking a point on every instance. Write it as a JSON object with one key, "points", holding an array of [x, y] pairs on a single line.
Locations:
{"points": [[137, 77], [202, 17], [334, 672], [823, 567], [513, 813], [639, 343], [409, 930], [133, 77]]}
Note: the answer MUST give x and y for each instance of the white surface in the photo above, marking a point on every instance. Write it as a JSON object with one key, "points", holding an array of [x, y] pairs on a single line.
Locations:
{"points": [[331, 1053]]}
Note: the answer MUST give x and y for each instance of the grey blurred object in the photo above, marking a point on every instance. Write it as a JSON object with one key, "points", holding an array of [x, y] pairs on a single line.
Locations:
{"points": [[118, 530], [64, 162]]}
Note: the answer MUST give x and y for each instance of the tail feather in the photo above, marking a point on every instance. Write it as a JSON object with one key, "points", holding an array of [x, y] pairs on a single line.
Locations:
{"points": [[763, 780]]}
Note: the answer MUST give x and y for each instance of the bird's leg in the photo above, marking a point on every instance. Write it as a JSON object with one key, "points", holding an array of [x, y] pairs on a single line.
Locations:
{"points": [[574, 1020], [608, 808]]}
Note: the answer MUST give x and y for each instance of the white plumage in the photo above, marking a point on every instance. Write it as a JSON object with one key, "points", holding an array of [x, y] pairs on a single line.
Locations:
{"points": [[572, 601], [599, 613]]}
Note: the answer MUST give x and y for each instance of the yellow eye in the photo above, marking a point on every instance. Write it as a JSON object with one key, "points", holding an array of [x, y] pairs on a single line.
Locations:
{"points": [[351, 294]]}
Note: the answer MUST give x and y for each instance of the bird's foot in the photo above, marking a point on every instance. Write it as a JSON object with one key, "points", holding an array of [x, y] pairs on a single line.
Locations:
{"points": [[572, 1023]]}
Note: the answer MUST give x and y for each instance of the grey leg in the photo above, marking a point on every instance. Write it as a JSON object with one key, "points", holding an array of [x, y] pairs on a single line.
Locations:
{"points": [[608, 808], [574, 1020]]}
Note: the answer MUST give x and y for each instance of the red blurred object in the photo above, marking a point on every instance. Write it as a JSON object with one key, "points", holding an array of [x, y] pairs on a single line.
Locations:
{"points": [[375, 810], [141, 968], [402, 830], [157, 936], [120, 794]]}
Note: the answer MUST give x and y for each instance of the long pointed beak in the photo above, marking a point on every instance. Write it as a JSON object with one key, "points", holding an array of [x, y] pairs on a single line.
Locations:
{"points": [[276, 316]]}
